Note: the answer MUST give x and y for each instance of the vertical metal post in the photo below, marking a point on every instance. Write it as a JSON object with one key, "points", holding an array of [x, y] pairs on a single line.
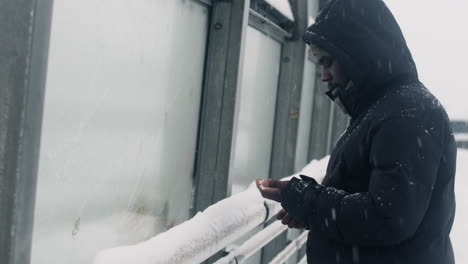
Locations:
{"points": [[228, 27], [25, 27], [287, 110]]}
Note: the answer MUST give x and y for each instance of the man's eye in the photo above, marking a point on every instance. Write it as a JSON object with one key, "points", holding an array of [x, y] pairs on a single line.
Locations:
{"points": [[327, 62]]}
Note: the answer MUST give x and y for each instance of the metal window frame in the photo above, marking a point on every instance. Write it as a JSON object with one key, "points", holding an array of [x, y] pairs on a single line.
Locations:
{"points": [[229, 21], [263, 24], [225, 48], [268, 11], [206, 2], [24, 48]]}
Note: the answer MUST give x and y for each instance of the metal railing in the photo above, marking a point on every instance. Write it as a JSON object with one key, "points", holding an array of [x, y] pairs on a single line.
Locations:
{"points": [[462, 140], [214, 229], [254, 244], [460, 131]]}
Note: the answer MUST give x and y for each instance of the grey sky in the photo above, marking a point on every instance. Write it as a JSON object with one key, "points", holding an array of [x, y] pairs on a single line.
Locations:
{"points": [[436, 34]]}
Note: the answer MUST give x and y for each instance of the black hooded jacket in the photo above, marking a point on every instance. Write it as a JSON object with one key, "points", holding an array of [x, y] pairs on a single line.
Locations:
{"points": [[388, 193]]}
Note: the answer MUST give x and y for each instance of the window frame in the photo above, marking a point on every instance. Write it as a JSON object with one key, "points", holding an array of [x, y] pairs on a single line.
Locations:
{"points": [[26, 26]]}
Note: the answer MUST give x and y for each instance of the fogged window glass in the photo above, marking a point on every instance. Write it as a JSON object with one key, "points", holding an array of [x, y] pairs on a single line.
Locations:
{"points": [[305, 115], [255, 111], [120, 124]]}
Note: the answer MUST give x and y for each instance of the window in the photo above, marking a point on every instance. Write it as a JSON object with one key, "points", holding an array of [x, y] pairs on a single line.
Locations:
{"points": [[255, 111], [120, 124]]}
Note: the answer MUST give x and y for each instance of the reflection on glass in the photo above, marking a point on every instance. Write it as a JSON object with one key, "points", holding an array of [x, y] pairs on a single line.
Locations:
{"points": [[120, 124]]}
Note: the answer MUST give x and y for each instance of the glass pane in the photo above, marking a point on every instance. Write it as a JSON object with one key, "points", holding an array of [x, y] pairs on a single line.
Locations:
{"points": [[120, 124], [255, 111], [305, 115]]}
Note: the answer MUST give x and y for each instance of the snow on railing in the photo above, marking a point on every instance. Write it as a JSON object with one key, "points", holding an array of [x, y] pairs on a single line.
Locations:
{"points": [[209, 231], [461, 136]]}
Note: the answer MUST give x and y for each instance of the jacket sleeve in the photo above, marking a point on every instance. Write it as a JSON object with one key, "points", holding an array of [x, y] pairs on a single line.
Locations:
{"points": [[404, 160]]}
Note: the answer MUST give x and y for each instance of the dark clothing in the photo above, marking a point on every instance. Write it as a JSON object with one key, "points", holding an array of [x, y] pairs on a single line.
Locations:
{"points": [[388, 193]]}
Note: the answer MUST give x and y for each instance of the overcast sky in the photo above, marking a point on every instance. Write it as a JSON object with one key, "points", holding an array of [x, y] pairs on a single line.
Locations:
{"points": [[437, 35]]}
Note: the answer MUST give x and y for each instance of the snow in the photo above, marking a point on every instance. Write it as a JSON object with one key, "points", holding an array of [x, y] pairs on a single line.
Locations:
{"points": [[315, 169], [283, 7], [459, 234], [198, 238], [311, 20], [207, 232]]}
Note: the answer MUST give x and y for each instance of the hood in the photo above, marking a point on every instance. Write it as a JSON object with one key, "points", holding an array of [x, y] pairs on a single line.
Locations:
{"points": [[365, 38]]}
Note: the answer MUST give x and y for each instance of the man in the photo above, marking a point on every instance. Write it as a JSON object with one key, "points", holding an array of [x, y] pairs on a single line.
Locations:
{"points": [[388, 193]]}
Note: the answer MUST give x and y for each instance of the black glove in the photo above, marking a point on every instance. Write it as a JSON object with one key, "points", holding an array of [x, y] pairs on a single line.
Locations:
{"points": [[297, 198]]}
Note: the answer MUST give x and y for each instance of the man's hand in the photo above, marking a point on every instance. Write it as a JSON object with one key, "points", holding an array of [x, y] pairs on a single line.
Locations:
{"points": [[290, 221], [271, 189]]}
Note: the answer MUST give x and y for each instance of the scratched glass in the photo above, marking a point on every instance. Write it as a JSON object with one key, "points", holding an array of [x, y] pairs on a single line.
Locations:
{"points": [[120, 124]]}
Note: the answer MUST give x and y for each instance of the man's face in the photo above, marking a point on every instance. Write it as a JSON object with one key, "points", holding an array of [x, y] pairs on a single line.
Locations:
{"points": [[331, 70]]}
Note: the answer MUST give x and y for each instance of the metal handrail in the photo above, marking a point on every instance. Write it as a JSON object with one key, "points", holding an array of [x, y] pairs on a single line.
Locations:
{"points": [[290, 249], [254, 244]]}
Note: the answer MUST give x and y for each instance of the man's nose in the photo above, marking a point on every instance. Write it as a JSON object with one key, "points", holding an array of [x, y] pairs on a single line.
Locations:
{"points": [[326, 76]]}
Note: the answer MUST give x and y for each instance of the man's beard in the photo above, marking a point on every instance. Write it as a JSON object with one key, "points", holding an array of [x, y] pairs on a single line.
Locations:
{"points": [[334, 88], [336, 91]]}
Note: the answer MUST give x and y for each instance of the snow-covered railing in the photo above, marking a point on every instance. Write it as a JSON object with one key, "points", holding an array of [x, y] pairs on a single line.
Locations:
{"points": [[460, 131], [462, 140], [212, 230]]}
